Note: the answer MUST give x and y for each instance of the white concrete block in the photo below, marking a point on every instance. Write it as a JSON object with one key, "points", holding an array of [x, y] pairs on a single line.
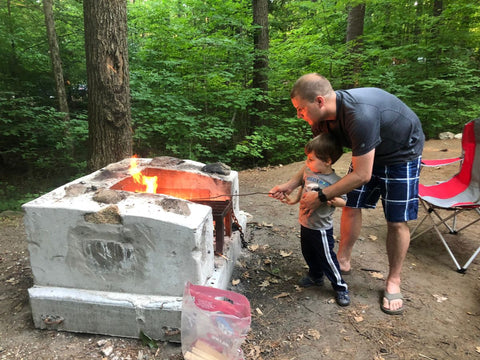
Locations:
{"points": [[111, 261]]}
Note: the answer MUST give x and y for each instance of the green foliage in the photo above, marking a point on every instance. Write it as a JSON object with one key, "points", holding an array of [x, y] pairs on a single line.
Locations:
{"points": [[282, 143], [148, 341], [13, 197], [45, 144], [37, 155]]}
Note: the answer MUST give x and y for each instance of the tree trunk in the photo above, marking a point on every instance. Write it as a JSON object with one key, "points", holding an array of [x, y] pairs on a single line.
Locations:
{"points": [[13, 67], [437, 7], [356, 16], [109, 113], [260, 64], [55, 57]]}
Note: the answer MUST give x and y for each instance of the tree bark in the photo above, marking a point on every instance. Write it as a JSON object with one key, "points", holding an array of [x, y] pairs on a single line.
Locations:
{"points": [[260, 64], [109, 113], [437, 7], [55, 58], [13, 67], [356, 17]]}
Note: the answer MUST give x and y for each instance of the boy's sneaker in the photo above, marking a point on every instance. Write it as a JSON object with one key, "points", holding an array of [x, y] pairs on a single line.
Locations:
{"points": [[307, 281], [342, 298]]}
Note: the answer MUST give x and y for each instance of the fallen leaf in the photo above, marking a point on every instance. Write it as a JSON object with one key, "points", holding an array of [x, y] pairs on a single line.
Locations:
{"points": [[358, 318], [373, 237], [376, 275], [440, 298], [254, 352], [273, 280], [314, 333], [285, 254], [253, 247], [477, 349], [267, 261], [259, 312], [331, 301], [281, 295], [266, 224], [235, 282], [12, 281], [264, 284]]}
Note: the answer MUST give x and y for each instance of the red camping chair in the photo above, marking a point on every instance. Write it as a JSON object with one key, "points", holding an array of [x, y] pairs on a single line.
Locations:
{"points": [[460, 193]]}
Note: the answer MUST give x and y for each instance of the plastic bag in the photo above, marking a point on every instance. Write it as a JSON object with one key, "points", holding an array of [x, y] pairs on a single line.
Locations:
{"points": [[214, 323]]}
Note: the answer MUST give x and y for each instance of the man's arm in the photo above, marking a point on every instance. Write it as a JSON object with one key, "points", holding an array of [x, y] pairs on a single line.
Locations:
{"points": [[361, 174]]}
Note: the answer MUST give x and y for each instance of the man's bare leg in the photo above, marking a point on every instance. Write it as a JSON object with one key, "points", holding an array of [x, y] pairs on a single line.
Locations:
{"points": [[398, 241], [350, 226]]}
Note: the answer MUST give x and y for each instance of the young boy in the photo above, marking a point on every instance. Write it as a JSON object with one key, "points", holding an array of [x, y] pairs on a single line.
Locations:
{"points": [[317, 227]]}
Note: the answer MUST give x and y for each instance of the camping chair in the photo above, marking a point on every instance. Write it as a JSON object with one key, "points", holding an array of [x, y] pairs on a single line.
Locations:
{"points": [[459, 194]]}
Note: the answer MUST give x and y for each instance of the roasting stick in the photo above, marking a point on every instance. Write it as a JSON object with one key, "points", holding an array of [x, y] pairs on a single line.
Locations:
{"points": [[223, 195]]}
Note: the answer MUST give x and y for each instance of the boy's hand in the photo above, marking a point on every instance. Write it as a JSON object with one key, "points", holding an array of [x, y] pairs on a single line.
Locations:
{"points": [[279, 192], [337, 202]]}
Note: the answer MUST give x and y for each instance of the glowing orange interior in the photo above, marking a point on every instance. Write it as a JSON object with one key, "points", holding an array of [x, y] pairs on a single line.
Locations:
{"points": [[179, 184]]}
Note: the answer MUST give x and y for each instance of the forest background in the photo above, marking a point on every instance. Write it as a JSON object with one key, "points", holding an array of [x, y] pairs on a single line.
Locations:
{"points": [[210, 80]]}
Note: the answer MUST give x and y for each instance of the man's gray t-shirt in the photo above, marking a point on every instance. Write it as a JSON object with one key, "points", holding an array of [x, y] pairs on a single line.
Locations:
{"points": [[371, 118]]}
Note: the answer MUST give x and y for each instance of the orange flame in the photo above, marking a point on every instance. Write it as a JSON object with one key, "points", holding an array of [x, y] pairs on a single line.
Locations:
{"points": [[149, 182]]}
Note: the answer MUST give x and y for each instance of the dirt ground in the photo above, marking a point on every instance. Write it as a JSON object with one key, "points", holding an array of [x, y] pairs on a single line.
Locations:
{"points": [[441, 320]]}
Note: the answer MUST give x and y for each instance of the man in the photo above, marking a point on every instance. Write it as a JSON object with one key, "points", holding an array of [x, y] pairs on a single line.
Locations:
{"points": [[387, 140]]}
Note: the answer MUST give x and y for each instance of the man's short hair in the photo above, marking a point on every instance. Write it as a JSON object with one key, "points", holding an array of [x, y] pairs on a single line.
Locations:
{"points": [[309, 86]]}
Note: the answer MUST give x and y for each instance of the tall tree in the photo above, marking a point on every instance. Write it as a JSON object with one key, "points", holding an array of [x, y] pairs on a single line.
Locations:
{"points": [[260, 63], [55, 57], [109, 114], [356, 16]]}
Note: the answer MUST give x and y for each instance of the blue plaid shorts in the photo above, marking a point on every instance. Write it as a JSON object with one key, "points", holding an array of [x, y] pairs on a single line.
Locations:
{"points": [[396, 185]]}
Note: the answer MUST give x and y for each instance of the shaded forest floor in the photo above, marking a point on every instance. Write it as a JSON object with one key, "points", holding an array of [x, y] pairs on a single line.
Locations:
{"points": [[441, 320]]}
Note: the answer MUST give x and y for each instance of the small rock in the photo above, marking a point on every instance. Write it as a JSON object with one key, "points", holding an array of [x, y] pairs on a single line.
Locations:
{"points": [[75, 190], [108, 196], [107, 350], [446, 135], [217, 168], [102, 342]]}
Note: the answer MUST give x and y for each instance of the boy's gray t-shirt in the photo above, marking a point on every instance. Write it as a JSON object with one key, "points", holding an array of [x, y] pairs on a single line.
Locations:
{"points": [[371, 118], [322, 217]]}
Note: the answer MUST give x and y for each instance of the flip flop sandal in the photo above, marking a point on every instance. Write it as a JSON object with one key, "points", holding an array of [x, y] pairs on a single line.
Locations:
{"points": [[389, 298]]}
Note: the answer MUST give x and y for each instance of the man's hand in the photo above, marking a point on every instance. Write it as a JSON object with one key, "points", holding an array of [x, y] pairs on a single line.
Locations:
{"points": [[309, 202]]}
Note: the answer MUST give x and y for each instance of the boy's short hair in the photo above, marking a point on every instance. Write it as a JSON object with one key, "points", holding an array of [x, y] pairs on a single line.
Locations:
{"points": [[325, 146]]}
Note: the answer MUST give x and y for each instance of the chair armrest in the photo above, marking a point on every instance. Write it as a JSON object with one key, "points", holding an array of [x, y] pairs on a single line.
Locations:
{"points": [[440, 162]]}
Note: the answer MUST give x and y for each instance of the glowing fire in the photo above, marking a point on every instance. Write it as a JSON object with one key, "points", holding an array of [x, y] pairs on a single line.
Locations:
{"points": [[149, 182]]}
